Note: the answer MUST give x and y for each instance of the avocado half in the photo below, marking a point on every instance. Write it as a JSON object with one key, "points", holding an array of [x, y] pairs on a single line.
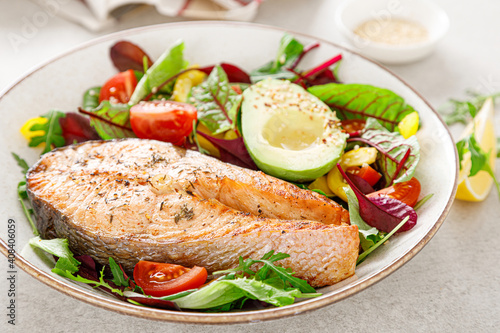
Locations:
{"points": [[290, 133]]}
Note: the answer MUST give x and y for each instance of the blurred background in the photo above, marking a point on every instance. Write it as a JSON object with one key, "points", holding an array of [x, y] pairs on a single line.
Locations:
{"points": [[34, 31]]}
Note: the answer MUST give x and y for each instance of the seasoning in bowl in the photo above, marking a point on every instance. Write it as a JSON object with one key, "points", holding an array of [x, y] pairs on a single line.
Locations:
{"points": [[393, 31]]}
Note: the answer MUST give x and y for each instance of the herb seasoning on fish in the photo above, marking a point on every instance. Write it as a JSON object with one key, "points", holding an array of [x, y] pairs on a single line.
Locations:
{"points": [[185, 213]]}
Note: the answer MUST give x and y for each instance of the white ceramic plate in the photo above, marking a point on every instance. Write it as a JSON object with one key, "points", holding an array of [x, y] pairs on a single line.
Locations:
{"points": [[60, 83]]}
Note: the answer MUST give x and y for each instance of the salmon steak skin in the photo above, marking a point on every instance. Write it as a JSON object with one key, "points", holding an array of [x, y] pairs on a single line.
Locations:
{"points": [[133, 199]]}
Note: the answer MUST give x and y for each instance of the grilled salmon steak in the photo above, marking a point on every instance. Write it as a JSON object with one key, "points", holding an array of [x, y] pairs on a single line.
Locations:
{"points": [[135, 199]]}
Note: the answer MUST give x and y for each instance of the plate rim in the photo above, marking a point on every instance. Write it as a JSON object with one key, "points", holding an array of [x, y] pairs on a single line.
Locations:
{"points": [[231, 317]]}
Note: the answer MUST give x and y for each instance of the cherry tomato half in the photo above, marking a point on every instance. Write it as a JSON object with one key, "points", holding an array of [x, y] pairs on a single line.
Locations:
{"points": [[352, 126], [167, 121], [406, 192], [367, 173], [119, 88], [159, 279]]}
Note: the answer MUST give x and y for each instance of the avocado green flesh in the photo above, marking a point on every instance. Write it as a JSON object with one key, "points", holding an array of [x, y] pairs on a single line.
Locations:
{"points": [[298, 176], [288, 132]]}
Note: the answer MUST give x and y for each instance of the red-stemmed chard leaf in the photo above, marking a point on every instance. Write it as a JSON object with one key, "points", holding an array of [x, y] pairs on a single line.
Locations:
{"points": [[319, 75], [234, 73], [111, 121], [217, 103], [76, 128], [383, 213], [232, 151], [361, 101], [126, 55], [397, 158], [324, 77], [320, 68], [305, 51]]}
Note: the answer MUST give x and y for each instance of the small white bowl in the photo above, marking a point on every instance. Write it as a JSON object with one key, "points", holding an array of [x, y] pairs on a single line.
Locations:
{"points": [[352, 13]]}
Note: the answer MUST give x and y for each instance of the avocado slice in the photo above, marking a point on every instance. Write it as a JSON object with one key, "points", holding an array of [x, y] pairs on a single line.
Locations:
{"points": [[289, 133]]}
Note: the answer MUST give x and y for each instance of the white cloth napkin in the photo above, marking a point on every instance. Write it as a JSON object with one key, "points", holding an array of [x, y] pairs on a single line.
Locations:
{"points": [[96, 15]]}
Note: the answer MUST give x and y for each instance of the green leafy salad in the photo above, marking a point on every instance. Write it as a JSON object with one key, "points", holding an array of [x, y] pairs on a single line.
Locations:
{"points": [[354, 143]]}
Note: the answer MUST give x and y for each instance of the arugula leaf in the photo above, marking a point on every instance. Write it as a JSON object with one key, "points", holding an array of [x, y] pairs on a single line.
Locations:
{"points": [[118, 277], [58, 247], [216, 102], [288, 51], [469, 147], [22, 195], [91, 98], [101, 283], [368, 235], [111, 121], [354, 101], [398, 157], [170, 63], [21, 163], [52, 136], [268, 260]]}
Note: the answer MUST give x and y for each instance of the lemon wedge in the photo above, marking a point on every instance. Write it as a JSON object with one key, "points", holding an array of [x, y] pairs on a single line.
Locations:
{"points": [[477, 187]]}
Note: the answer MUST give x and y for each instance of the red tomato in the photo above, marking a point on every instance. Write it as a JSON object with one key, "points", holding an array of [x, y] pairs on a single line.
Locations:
{"points": [[167, 121], [353, 125], [406, 192], [158, 279], [119, 88], [367, 173]]}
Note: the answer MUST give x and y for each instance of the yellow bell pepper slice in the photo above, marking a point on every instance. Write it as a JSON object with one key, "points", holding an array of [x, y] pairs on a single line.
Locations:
{"points": [[355, 157], [185, 82], [358, 157], [321, 184], [408, 126], [204, 143], [336, 183], [230, 135], [26, 128]]}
